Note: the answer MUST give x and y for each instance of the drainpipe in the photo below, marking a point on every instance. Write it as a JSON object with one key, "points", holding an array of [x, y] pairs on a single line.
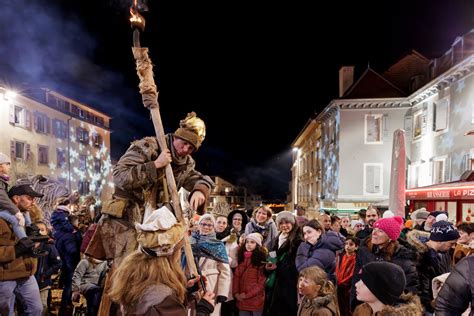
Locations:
{"points": [[69, 153]]}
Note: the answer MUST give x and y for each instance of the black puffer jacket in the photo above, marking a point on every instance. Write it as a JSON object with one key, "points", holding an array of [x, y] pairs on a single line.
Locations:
{"points": [[458, 290], [431, 264], [402, 256]]}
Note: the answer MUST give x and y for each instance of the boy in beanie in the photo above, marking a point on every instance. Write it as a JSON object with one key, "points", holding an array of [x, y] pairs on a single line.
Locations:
{"points": [[380, 287], [434, 258]]}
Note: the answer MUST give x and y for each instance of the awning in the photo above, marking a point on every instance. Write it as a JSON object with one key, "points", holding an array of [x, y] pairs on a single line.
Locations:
{"points": [[458, 190]]}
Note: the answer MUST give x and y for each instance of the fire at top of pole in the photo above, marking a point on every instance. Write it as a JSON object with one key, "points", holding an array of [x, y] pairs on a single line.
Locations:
{"points": [[136, 19]]}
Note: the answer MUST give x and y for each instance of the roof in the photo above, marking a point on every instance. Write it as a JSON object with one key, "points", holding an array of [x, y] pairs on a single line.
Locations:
{"points": [[373, 85]]}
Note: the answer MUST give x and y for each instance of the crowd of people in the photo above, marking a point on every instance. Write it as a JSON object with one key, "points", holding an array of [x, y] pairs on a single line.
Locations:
{"points": [[135, 257]]}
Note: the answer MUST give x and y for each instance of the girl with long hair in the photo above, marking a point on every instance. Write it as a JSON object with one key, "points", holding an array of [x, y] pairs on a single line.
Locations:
{"points": [[248, 284], [319, 294]]}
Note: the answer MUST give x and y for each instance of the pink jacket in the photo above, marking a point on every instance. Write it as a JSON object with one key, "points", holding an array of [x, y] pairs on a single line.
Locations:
{"points": [[250, 280]]}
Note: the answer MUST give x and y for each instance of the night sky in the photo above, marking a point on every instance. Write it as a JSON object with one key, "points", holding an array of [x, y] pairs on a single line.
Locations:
{"points": [[254, 71]]}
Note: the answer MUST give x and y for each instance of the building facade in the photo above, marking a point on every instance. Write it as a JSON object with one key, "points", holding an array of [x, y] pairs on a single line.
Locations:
{"points": [[46, 133]]}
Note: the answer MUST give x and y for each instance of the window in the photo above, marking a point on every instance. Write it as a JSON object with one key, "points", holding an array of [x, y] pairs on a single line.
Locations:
{"points": [[440, 115], [373, 178], [59, 129], [96, 139], [82, 135], [41, 123], [19, 150], [438, 170], [82, 162], [43, 155], [19, 116], [97, 165], [83, 187], [417, 124], [61, 158], [373, 128]]}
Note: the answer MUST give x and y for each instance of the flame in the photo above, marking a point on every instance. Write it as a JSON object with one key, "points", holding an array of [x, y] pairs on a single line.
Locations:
{"points": [[136, 19]]}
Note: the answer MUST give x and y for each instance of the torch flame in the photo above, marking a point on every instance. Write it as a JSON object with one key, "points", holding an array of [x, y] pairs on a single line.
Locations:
{"points": [[136, 19]]}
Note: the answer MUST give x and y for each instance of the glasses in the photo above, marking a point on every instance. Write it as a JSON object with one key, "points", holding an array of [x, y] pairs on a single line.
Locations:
{"points": [[206, 225]]}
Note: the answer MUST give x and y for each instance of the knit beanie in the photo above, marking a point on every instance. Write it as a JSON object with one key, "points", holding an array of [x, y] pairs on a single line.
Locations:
{"points": [[192, 129], [4, 159], [287, 216], [255, 237], [392, 226], [443, 231], [442, 217], [207, 217], [385, 280], [387, 214], [355, 222]]}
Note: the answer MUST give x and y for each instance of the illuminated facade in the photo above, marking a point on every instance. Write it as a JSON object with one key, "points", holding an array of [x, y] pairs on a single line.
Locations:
{"points": [[235, 196], [49, 134]]}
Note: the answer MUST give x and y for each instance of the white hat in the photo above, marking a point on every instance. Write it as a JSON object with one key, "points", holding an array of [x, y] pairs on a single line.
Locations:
{"points": [[355, 222], [4, 158], [387, 214]]}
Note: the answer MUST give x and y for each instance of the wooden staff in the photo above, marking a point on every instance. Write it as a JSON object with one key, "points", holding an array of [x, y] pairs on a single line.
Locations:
{"points": [[149, 93]]}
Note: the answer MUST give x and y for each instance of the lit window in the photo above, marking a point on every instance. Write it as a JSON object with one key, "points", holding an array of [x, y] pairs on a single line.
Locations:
{"points": [[19, 115], [417, 124]]}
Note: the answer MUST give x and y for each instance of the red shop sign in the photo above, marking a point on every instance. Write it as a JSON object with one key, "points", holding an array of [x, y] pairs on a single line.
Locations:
{"points": [[446, 193]]}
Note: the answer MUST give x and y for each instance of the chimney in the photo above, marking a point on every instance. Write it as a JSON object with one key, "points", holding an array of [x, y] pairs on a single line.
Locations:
{"points": [[346, 78]]}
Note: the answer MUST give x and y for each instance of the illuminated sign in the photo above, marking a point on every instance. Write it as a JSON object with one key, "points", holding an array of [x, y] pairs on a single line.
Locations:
{"points": [[446, 193]]}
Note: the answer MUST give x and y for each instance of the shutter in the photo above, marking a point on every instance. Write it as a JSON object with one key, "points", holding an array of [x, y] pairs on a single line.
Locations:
{"points": [[27, 152], [441, 115], [47, 122], [28, 119], [447, 169], [11, 116], [370, 128], [408, 125], [465, 165], [369, 179], [424, 118], [385, 127], [434, 116], [13, 149], [35, 120]]}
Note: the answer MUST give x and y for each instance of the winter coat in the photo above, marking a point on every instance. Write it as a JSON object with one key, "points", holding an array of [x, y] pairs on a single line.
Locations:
{"points": [[250, 280], [68, 242], [218, 276], [322, 254], [318, 306], [430, 265], [283, 296], [403, 257], [136, 177], [11, 267], [232, 248], [344, 271], [363, 234], [160, 300], [462, 251], [5, 202], [458, 290], [268, 231], [47, 265], [409, 307], [86, 275]]}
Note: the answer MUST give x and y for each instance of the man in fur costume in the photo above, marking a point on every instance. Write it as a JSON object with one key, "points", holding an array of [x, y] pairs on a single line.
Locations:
{"points": [[140, 186]]}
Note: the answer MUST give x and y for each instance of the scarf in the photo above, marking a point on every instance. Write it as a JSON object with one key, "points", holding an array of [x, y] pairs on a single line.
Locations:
{"points": [[262, 230], [281, 239], [5, 177], [208, 246]]}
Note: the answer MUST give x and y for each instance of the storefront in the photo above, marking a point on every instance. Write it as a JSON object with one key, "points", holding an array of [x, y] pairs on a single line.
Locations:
{"points": [[457, 198]]}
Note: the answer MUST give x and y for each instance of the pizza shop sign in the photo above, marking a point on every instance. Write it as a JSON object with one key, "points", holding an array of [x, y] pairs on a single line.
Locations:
{"points": [[466, 193]]}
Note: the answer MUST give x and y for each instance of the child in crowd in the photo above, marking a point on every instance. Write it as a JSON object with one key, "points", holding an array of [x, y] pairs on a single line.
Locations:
{"points": [[248, 284], [344, 271], [47, 266], [319, 295], [381, 287], [8, 211]]}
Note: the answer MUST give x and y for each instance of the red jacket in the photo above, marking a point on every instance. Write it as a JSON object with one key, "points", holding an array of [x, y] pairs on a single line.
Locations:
{"points": [[250, 280]]}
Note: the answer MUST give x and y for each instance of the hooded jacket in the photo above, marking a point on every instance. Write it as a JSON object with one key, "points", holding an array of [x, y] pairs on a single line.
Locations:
{"points": [[318, 306], [409, 306]]}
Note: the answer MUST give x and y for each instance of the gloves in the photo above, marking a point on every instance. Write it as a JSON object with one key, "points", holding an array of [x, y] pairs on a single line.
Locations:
{"points": [[24, 246], [221, 299]]}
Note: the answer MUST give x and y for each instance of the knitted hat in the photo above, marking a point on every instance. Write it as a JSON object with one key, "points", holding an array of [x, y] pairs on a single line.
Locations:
{"points": [[387, 214], [160, 234], [287, 216], [255, 237], [443, 231], [441, 217], [192, 129], [354, 222], [207, 217], [4, 158], [420, 213], [385, 280], [392, 226], [436, 213]]}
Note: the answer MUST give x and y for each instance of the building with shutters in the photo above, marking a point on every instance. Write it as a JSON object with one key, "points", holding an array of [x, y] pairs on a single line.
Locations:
{"points": [[50, 134], [432, 100]]}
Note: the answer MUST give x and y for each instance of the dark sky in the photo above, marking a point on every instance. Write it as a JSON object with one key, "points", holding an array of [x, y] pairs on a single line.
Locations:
{"points": [[254, 71]]}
